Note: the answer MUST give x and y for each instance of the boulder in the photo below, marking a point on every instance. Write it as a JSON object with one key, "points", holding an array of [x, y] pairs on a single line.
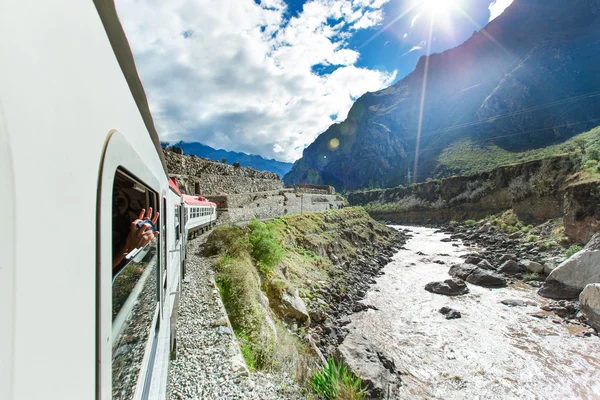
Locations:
{"points": [[532, 266], [510, 267], [461, 271], [450, 313], [485, 278], [285, 300], [517, 303], [485, 264], [568, 279], [555, 290], [369, 363], [549, 266], [589, 302], [472, 259], [450, 287], [594, 243], [506, 257]]}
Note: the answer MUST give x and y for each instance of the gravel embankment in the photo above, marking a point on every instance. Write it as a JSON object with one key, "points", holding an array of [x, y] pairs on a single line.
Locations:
{"points": [[208, 364]]}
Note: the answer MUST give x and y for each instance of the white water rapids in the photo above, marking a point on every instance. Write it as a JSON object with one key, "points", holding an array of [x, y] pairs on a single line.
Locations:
{"points": [[492, 352]]}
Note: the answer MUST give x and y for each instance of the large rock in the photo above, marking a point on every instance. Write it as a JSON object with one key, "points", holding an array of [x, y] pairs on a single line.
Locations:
{"points": [[285, 300], [450, 313], [510, 267], [532, 266], [461, 271], [364, 360], [589, 302], [485, 264], [575, 273], [485, 278], [450, 287]]}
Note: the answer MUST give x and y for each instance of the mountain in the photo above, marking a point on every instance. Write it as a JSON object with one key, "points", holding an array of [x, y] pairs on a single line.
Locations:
{"points": [[529, 79], [246, 160]]}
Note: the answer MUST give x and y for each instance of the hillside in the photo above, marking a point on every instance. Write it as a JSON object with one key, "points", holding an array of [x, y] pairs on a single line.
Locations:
{"points": [[528, 80], [468, 157], [246, 160]]}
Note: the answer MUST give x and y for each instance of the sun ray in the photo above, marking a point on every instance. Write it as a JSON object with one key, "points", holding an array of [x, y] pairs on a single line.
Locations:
{"points": [[422, 104], [483, 31], [385, 28]]}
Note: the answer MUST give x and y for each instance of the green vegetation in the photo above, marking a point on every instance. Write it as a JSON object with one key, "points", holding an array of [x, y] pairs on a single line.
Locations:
{"points": [[508, 222], [335, 381], [266, 251], [289, 256], [468, 157], [532, 276], [572, 250], [470, 222]]}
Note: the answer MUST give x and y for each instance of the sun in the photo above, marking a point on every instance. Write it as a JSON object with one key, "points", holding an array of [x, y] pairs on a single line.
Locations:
{"points": [[439, 6]]}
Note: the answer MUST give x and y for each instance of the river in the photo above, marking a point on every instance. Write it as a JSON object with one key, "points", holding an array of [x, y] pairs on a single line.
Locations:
{"points": [[492, 352]]}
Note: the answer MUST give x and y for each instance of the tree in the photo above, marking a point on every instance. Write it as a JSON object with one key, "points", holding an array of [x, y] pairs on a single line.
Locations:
{"points": [[236, 164], [581, 143], [223, 160]]}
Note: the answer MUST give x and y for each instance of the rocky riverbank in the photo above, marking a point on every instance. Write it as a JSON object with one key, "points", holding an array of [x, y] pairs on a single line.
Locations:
{"points": [[480, 340], [289, 285], [509, 254]]}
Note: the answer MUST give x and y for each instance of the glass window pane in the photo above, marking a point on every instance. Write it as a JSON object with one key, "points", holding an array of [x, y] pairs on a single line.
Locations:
{"points": [[134, 288]]}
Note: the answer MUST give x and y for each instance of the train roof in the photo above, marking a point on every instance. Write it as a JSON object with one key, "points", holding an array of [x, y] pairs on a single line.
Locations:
{"points": [[118, 41], [197, 201]]}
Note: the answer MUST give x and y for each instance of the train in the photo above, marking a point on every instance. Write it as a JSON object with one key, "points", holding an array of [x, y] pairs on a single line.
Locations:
{"points": [[86, 314]]}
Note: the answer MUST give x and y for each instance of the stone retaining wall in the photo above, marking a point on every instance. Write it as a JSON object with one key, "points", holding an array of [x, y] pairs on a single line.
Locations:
{"points": [[205, 177], [242, 207]]}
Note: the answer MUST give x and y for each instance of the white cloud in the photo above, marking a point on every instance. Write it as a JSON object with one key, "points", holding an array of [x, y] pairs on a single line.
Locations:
{"points": [[497, 7], [237, 75], [414, 20], [414, 48]]}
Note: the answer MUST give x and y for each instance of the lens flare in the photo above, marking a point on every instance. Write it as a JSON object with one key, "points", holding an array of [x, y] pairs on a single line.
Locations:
{"points": [[334, 144]]}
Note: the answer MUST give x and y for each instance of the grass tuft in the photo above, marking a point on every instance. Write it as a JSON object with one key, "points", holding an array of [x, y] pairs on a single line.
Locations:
{"points": [[572, 250], [336, 382]]}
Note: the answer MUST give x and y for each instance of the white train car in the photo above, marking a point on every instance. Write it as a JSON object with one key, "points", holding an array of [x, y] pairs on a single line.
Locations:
{"points": [[81, 320], [200, 215]]}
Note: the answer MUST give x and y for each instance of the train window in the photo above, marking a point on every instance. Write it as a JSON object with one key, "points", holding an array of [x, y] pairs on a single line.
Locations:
{"points": [[176, 223], [134, 294]]}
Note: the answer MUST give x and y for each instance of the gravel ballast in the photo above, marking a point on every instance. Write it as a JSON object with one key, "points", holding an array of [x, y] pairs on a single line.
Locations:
{"points": [[209, 364]]}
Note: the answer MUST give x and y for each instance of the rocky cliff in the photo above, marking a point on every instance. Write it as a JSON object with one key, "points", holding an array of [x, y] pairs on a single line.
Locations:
{"points": [[537, 191], [528, 79]]}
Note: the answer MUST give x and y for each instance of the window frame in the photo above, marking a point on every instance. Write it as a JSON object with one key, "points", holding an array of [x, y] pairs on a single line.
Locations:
{"points": [[118, 153]]}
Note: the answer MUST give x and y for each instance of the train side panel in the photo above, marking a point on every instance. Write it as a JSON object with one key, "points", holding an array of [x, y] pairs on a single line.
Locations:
{"points": [[61, 92]]}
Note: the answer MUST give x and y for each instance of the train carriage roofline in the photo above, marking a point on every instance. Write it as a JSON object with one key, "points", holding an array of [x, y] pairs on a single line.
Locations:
{"points": [[120, 45], [197, 201]]}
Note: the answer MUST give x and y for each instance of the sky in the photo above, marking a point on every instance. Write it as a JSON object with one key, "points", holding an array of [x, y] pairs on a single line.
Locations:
{"points": [[268, 76]]}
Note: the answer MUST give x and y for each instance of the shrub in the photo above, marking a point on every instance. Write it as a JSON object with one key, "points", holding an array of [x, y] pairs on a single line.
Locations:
{"points": [[593, 154], [236, 164], [519, 188], [453, 222], [335, 381], [572, 250], [223, 161], [266, 251], [590, 163], [225, 239], [470, 222], [532, 276]]}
